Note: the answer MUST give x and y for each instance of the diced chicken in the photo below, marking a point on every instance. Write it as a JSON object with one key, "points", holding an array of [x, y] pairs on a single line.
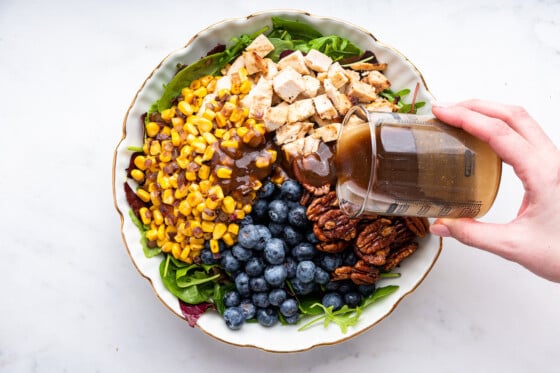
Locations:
{"points": [[293, 149], [382, 105], [294, 60], [340, 101], [322, 76], [301, 110], [366, 66], [312, 86], [327, 133], [337, 75], [353, 76], [324, 107], [276, 116], [292, 131], [311, 145], [254, 63], [378, 80], [223, 83], [317, 61], [362, 91], [271, 69], [261, 98], [288, 84], [261, 46], [236, 65], [320, 121], [207, 99]]}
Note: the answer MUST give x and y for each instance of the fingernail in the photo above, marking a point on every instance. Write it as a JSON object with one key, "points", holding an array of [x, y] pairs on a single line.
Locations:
{"points": [[441, 104], [440, 230]]}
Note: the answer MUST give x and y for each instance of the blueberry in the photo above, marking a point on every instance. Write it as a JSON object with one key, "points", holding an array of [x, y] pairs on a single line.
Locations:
{"points": [[242, 284], [232, 298], [276, 229], [277, 296], [258, 284], [311, 238], [366, 290], [260, 210], [332, 285], [332, 299], [229, 262], [292, 320], [267, 316], [329, 262], [241, 253], [275, 275], [263, 236], [278, 211], [261, 299], [297, 216], [248, 236], [275, 251], [305, 271], [352, 299], [303, 251], [254, 266], [248, 308], [248, 219], [322, 277], [291, 190], [291, 235], [206, 257], [302, 288], [346, 287], [291, 267], [349, 258], [289, 307], [234, 317], [267, 190]]}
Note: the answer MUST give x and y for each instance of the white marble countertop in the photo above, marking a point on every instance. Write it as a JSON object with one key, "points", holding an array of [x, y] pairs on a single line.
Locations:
{"points": [[71, 300]]}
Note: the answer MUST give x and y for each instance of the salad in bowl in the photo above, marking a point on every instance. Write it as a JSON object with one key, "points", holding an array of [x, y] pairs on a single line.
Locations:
{"points": [[225, 183]]}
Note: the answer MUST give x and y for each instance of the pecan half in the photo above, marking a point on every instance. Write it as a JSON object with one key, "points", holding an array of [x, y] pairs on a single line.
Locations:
{"points": [[317, 191], [332, 247], [418, 225], [321, 205], [360, 274], [375, 236], [398, 256], [335, 225], [378, 258]]}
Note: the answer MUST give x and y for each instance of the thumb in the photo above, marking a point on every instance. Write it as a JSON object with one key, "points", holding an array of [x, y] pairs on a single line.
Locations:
{"points": [[494, 238]]}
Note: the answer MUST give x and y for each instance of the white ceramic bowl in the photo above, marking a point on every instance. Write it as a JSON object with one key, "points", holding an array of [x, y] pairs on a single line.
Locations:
{"points": [[279, 338]]}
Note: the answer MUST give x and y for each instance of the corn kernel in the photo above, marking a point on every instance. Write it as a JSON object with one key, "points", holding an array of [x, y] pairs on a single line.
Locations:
{"points": [[217, 192], [157, 217], [242, 131], [140, 162], [185, 208], [221, 119], [151, 235], [161, 232], [184, 256], [203, 124], [200, 92], [219, 230], [247, 208], [234, 144], [155, 147], [233, 228], [190, 128], [207, 226], [145, 215], [182, 161], [219, 132], [199, 146], [188, 96], [245, 86], [209, 114], [143, 195], [204, 172], [228, 239], [137, 175], [152, 129], [205, 80], [166, 247], [228, 205], [168, 197], [167, 114], [210, 138], [165, 156], [262, 162], [223, 172], [214, 246], [205, 186], [194, 198], [195, 84], [211, 85], [177, 122], [176, 250]]}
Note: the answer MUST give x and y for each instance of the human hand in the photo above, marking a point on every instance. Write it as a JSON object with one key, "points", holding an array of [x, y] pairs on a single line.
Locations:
{"points": [[532, 238]]}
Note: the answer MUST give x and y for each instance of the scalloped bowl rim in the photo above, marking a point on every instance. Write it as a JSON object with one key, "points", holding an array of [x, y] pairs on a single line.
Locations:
{"points": [[286, 338]]}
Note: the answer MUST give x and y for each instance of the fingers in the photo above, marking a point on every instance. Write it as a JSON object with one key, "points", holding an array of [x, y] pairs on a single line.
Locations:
{"points": [[508, 144], [495, 238], [514, 116]]}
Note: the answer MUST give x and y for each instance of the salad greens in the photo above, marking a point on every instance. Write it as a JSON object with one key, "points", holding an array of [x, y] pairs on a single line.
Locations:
{"points": [[199, 286], [345, 316]]}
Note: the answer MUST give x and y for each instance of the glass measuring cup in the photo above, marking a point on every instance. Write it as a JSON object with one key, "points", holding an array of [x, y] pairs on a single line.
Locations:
{"points": [[414, 165]]}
